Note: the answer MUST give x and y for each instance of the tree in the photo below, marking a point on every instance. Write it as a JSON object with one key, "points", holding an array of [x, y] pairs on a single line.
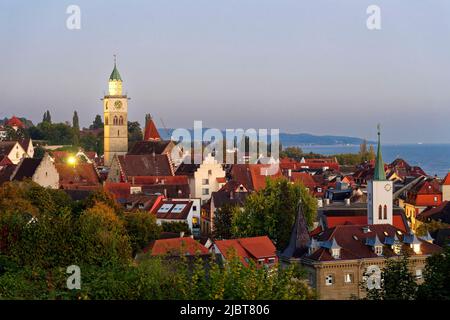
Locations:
{"points": [[436, 277], [176, 227], [272, 211], [47, 117], [397, 281], [142, 229], [76, 129], [295, 153], [98, 123], [134, 133], [104, 235], [223, 222]]}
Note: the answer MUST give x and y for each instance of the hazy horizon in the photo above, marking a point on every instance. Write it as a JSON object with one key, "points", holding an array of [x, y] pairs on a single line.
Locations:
{"points": [[300, 66]]}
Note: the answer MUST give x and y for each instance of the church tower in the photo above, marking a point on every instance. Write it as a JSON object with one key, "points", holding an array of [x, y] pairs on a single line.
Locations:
{"points": [[115, 110], [379, 193]]}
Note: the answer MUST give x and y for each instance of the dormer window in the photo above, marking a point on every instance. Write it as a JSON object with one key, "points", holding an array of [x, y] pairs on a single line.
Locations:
{"points": [[378, 250], [336, 253], [416, 248], [397, 248]]}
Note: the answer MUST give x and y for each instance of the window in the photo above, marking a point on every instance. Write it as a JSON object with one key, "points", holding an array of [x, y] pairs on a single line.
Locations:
{"points": [[205, 181], [118, 133], [348, 278], [205, 191], [380, 214], [435, 199], [419, 274], [271, 260], [378, 250], [336, 253], [115, 120], [209, 172], [385, 212], [106, 120], [194, 208], [319, 189], [329, 280], [121, 120]]}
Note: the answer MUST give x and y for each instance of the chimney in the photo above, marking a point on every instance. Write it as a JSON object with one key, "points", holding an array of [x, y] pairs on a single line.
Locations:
{"points": [[132, 180], [232, 195], [347, 201], [327, 201], [290, 173], [181, 234], [165, 192]]}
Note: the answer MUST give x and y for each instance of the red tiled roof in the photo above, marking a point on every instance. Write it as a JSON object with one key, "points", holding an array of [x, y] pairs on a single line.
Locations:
{"points": [[151, 133], [79, 175], [15, 122], [4, 161], [253, 176], [145, 165], [167, 180], [176, 246], [397, 221], [120, 190], [248, 248], [446, 180], [305, 178]]}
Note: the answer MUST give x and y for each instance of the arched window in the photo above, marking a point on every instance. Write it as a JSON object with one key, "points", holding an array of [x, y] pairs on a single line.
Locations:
{"points": [[115, 121], [118, 133], [106, 120], [380, 213], [121, 121], [385, 212]]}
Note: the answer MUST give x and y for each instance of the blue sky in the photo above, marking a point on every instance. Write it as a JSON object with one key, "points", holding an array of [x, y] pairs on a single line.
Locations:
{"points": [[300, 66]]}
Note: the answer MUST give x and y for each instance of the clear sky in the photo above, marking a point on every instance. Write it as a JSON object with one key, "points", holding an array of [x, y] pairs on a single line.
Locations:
{"points": [[300, 66]]}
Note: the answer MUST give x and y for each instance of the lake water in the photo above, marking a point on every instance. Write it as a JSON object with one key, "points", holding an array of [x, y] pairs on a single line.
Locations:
{"points": [[432, 158]]}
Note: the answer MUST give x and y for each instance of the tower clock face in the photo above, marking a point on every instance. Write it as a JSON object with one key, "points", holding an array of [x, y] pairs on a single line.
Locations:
{"points": [[387, 187], [118, 104]]}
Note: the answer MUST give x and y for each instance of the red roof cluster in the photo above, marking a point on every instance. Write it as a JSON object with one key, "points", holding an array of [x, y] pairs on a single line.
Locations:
{"points": [[176, 247], [255, 249]]}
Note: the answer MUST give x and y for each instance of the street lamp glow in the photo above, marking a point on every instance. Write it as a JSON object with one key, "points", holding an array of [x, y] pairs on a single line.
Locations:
{"points": [[71, 160]]}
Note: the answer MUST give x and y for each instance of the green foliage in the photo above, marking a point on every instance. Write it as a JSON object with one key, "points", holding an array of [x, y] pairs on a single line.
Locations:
{"points": [[91, 142], [97, 123], [397, 281], [176, 227], [223, 222], [272, 212], [430, 227], [436, 277], [134, 133], [295, 153], [142, 229], [76, 129]]}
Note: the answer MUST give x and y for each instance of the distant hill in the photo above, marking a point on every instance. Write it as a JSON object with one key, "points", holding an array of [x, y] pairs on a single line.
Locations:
{"points": [[295, 139]]}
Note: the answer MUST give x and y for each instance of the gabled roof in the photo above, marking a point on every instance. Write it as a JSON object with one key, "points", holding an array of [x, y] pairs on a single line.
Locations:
{"points": [[171, 212], [176, 246], [446, 181], [80, 175], [151, 133], [439, 213], [149, 147], [248, 248], [15, 122], [253, 176], [26, 168], [7, 172], [145, 165], [6, 147]]}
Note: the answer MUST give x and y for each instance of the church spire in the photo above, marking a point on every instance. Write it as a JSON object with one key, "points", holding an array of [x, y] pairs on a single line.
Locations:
{"points": [[379, 174], [115, 75]]}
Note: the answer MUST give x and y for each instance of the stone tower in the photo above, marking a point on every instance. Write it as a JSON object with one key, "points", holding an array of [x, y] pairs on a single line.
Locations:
{"points": [[115, 110]]}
